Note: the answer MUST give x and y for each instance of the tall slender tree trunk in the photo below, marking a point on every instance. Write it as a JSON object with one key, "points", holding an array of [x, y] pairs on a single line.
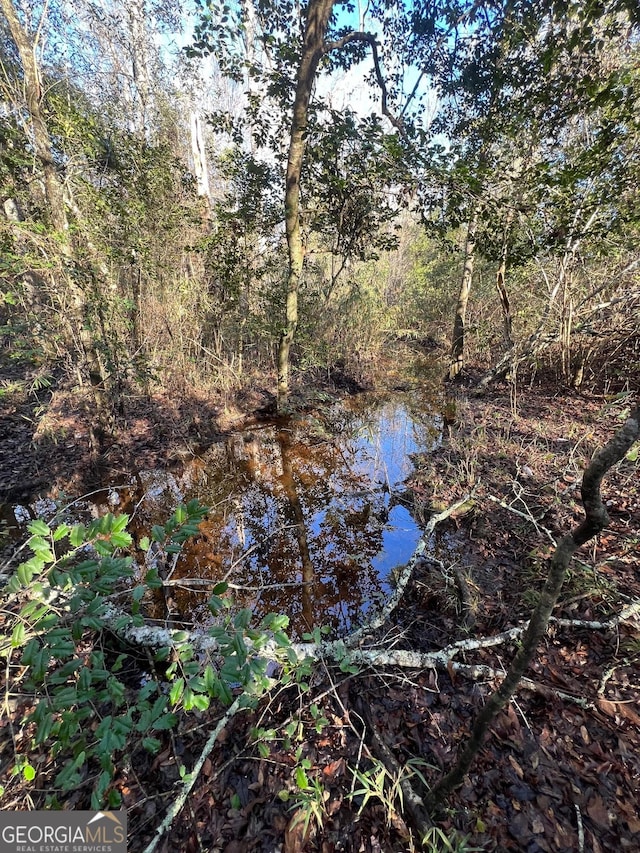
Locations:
{"points": [[536, 341], [501, 286], [318, 14], [41, 139], [456, 362], [198, 152], [139, 52]]}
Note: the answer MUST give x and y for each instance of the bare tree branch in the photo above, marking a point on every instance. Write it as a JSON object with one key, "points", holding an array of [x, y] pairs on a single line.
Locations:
{"points": [[370, 39]]}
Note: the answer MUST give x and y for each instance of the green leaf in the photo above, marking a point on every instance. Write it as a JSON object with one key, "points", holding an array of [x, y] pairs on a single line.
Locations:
{"points": [[29, 772], [215, 604], [121, 539], [77, 535], [223, 692], [281, 639], [18, 635], [157, 533], [119, 523], [60, 532], [302, 781], [144, 543], [275, 622], [200, 701], [176, 692], [243, 618], [180, 636], [168, 721], [151, 744], [38, 528]]}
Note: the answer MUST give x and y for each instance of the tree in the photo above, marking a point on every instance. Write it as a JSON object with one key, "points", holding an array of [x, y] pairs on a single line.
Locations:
{"points": [[26, 45], [288, 79], [516, 84], [317, 20]]}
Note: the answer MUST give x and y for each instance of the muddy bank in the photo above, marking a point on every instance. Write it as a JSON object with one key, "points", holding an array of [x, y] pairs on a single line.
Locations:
{"points": [[45, 423]]}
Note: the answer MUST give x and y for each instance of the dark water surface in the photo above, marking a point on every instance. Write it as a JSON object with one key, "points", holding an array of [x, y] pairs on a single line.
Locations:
{"points": [[306, 513], [305, 516]]}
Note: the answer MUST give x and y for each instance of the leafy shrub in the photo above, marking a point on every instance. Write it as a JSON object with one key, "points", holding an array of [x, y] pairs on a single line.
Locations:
{"points": [[76, 705]]}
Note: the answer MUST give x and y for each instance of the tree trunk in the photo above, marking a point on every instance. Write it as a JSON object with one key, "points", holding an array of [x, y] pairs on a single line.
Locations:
{"points": [[501, 286], [318, 14], [536, 342], [457, 345], [198, 152], [41, 139], [139, 67]]}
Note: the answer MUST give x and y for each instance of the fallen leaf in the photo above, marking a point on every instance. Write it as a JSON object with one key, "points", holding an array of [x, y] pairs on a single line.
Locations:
{"points": [[334, 806], [619, 709], [297, 834], [537, 826], [516, 767], [519, 828], [598, 811], [451, 671], [335, 768]]}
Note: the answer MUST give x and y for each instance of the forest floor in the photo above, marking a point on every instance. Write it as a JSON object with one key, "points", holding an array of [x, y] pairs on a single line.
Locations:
{"points": [[561, 768]]}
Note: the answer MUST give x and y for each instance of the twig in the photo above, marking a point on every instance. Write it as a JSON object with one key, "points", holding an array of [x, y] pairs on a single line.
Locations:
{"points": [[526, 515], [580, 828], [403, 579], [191, 778]]}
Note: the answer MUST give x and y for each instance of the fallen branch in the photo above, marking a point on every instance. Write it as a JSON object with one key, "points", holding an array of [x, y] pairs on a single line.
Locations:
{"points": [[403, 578], [626, 613], [526, 515], [489, 673], [154, 636], [191, 778], [411, 799]]}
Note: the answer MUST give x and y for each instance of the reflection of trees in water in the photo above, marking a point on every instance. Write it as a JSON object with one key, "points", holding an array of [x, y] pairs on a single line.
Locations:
{"points": [[290, 508], [293, 509]]}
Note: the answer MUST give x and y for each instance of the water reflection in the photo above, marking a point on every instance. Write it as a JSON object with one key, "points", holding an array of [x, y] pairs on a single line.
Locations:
{"points": [[303, 517]]}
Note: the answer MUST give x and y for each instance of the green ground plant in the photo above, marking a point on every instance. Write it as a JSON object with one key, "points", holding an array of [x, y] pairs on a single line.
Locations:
{"points": [[77, 700]]}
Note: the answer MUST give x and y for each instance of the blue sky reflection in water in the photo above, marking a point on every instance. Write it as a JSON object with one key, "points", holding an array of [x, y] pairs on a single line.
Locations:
{"points": [[306, 519]]}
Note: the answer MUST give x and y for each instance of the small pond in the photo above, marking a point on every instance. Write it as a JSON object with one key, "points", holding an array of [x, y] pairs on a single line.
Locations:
{"points": [[306, 512]]}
